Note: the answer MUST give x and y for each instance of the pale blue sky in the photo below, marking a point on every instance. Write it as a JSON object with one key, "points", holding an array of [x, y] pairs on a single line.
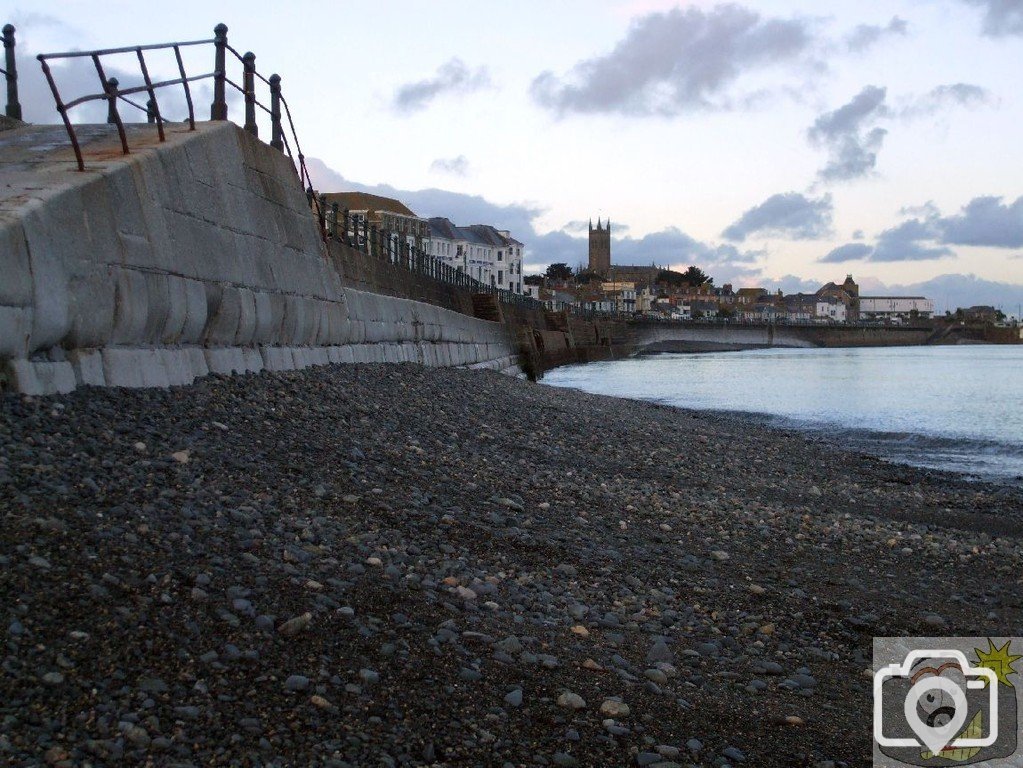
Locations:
{"points": [[690, 123]]}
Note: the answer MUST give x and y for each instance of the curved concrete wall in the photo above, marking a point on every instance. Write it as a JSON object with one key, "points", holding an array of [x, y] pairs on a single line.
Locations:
{"points": [[717, 334], [196, 255]]}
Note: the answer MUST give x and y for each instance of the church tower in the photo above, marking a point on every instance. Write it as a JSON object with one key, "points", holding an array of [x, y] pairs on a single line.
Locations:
{"points": [[600, 248]]}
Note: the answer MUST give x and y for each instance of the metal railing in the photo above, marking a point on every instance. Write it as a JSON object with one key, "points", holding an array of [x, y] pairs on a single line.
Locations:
{"points": [[113, 94], [10, 73]]}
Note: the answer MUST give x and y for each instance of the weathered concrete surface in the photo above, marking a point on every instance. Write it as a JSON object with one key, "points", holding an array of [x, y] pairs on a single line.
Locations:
{"points": [[688, 337], [196, 255]]}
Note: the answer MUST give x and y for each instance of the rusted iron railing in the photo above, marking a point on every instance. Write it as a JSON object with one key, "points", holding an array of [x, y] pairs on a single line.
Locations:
{"points": [[10, 73], [113, 94]]}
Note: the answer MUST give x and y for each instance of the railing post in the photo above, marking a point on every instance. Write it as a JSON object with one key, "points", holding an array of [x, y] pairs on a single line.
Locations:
{"points": [[150, 111], [249, 85], [276, 133], [373, 250], [335, 209], [322, 206], [111, 89], [218, 111], [11, 65]]}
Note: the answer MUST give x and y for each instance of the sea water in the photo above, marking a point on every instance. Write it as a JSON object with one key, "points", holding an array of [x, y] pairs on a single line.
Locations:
{"points": [[947, 407]]}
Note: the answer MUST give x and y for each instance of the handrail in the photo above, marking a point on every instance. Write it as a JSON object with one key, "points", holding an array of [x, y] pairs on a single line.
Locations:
{"points": [[10, 73], [112, 93]]}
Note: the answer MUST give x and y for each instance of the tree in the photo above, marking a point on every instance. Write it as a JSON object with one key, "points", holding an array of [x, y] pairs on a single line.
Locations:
{"points": [[670, 277], [559, 271], [533, 280], [695, 277]]}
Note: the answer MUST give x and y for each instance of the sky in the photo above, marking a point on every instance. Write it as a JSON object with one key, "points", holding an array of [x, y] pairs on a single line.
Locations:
{"points": [[781, 143]]}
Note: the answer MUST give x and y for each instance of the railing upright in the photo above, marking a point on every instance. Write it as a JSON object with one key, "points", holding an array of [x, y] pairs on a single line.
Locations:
{"points": [[276, 131], [249, 88], [11, 73], [218, 111], [113, 116], [152, 108]]}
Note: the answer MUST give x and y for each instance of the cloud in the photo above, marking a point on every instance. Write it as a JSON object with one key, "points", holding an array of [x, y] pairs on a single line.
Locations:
{"points": [[456, 166], [452, 77], [847, 252], [671, 246], [950, 291], [789, 284], [1001, 17], [789, 214], [77, 77], [907, 242], [985, 221], [867, 35], [579, 225], [674, 62], [945, 96], [858, 234], [850, 135]]}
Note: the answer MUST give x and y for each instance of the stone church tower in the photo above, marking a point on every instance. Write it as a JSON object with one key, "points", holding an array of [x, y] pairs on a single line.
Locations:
{"points": [[600, 248]]}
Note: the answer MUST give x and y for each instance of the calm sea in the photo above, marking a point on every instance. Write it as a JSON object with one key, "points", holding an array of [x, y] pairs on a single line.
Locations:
{"points": [[957, 407]]}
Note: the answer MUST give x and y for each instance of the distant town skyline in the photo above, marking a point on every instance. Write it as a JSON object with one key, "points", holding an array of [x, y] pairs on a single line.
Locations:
{"points": [[779, 143]]}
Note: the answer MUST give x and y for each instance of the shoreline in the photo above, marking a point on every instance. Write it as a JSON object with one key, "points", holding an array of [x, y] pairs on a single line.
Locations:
{"points": [[918, 449], [438, 566]]}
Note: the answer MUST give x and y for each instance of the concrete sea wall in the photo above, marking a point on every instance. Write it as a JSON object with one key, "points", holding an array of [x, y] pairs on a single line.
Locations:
{"points": [[194, 256]]}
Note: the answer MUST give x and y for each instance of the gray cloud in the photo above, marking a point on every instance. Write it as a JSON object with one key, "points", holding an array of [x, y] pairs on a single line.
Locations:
{"points": [[850, 136], [847, 252], [945, 96], [456, 166], [909, 242], [452, 77], [673, 62], [790, 215], [985, 221], [1001, 17], [672, 246], [77, 77], [866, 35], [858, 234], [950, 291]]}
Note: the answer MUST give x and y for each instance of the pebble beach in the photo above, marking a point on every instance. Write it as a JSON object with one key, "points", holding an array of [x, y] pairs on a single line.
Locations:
{"points": [[391, 565]]}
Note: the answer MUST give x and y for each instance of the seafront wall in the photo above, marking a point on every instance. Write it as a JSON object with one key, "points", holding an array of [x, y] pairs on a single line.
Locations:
{"points": [[193, 256]]}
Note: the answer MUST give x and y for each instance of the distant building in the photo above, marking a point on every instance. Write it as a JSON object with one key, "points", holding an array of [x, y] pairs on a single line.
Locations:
{"points": [[894, 308], [385, 213], [848, 293], [600, 249], [830, 310], [483, 252], [981, 314], [800, 307]]}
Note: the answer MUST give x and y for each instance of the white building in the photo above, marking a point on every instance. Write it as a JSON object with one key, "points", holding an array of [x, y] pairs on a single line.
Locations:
{"points": [[895, 308], [830, 310], [486, 254]]}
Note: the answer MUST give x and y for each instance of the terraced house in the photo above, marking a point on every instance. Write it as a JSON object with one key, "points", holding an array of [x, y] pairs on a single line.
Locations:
{"points": [[485, 253]]}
